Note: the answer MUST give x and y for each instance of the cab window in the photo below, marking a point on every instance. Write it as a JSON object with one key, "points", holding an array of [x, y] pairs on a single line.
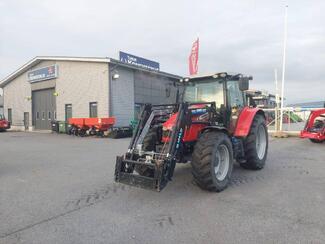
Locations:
{"points": [[235, 96], [209, 90]]}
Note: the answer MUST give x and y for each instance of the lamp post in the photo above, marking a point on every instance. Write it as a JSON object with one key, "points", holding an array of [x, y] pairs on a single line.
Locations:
{"points": [[283, 65]]}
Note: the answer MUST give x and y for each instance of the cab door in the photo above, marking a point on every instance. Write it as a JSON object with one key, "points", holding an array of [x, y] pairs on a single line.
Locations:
{"points": [[26, 120], [235, 103]]}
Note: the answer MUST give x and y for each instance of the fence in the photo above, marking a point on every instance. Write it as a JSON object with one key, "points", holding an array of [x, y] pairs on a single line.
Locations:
{"points": [[294, 119]]}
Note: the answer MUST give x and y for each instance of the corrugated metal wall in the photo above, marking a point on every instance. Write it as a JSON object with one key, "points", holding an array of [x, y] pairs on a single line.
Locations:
{"points": [[134, 88], [153, 88], [122, 96]]}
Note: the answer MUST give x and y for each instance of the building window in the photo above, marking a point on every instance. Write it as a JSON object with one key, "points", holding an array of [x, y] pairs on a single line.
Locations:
{"points": [[93, 110], [137, 111], [54, 115], [37, 115], [10, 115], [50, 115], [43, 115]]}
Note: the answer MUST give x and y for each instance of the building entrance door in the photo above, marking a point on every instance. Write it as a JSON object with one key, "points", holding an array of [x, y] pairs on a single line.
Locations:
{"points": [[26, 120], [44, 108]]}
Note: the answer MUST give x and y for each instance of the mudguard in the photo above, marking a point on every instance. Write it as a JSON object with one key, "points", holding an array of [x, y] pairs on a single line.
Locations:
{"points": [[245, 121]]}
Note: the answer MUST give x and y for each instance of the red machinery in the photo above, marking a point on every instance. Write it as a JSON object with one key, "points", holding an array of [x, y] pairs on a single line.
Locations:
{"points": [[4, 124], [315, 126], [94, 126], [211, 127]]}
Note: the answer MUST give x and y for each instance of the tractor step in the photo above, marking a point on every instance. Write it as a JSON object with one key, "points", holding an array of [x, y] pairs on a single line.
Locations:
{"points": [[125, 174]]}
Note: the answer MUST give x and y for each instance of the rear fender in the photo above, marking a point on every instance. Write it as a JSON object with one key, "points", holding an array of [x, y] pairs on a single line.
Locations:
{"points": [[245, 121]]}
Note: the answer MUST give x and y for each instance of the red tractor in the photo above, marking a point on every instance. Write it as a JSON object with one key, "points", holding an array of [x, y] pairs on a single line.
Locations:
{"points": [[4, 124], [315, 127], [211, 128]]}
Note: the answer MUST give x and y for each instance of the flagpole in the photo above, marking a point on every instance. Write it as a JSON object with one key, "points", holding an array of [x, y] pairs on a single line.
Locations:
{"points": [[283, 64]]}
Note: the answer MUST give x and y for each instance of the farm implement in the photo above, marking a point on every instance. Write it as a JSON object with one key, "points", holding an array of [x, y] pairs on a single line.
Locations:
{"points": [[90, 126], [315, 127]]}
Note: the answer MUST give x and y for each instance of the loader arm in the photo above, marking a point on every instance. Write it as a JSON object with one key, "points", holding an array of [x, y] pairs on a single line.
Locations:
{"points": [[162, 163]]}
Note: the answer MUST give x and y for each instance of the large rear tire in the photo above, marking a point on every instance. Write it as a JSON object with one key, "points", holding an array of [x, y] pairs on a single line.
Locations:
{"points": [[149, 144], [212, 161], [256, 145]]}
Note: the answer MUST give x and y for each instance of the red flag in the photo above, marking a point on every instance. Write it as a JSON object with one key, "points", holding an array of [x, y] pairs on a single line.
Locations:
{"points": [[194, 58]]}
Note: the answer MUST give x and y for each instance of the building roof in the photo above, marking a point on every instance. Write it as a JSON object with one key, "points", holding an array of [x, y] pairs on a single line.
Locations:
{"points": [[39, 59], [319, 104]]}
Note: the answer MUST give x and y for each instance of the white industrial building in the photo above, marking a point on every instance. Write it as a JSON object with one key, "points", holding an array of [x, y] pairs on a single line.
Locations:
{"points": [[57, 88]]}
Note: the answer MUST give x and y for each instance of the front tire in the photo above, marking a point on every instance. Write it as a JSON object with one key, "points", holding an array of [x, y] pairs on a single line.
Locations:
{"points": [[212, 161], [256, 145]]}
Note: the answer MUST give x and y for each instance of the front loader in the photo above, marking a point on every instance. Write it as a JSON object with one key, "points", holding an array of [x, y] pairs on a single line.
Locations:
{"points": [[210, 128]]}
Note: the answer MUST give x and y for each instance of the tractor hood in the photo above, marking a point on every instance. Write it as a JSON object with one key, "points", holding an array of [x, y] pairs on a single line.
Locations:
{"points": [[196, 110]]}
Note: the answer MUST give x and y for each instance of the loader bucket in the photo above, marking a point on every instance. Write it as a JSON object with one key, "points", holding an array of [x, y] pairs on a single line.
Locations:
{"points": [[124, 173]]}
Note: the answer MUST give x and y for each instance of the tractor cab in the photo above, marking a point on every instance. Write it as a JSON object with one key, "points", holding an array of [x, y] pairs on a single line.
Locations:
{"points": [[226, 90]]}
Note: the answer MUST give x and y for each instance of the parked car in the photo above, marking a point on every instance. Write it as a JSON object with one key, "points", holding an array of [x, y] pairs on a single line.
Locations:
{"points": [[4, 124]]}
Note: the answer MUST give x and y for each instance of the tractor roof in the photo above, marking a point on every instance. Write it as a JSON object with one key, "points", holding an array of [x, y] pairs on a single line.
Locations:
{"points": [[214, 75]]}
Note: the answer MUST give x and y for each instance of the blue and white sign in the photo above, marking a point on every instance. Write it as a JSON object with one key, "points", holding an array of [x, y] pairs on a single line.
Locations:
{"points": [[138, 61], [45, 73]]}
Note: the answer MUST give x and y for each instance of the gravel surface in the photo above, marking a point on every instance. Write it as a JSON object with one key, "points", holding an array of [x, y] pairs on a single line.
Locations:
{"points": [[60, 189]]}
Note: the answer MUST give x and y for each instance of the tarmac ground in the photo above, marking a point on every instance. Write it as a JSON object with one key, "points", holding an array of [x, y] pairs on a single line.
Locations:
{"points": [[60, 189]]}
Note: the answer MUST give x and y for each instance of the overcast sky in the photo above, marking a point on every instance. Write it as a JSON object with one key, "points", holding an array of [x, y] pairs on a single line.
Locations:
{"points": [[243, 36]]}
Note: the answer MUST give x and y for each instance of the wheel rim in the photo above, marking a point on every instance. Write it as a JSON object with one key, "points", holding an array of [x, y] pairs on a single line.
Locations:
{"points": [[261, 142], [222, 162]]}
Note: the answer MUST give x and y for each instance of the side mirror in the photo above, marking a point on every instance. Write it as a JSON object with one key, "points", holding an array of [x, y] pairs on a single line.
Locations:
{"points": [[243, 83]]}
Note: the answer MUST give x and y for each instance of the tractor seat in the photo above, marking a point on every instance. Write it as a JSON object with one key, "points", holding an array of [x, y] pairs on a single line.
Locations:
{"points": [[318, 126]]}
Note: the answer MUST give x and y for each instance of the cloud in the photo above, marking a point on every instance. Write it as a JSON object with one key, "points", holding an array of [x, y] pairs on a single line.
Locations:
{"points": [[243, 36]]}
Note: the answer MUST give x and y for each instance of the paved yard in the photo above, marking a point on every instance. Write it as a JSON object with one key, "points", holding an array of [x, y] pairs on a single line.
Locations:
{"points": [[60, 189]]}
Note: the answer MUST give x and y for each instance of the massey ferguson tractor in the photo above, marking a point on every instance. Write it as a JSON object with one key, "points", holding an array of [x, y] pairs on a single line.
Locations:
{"points": [[211, 128]]}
